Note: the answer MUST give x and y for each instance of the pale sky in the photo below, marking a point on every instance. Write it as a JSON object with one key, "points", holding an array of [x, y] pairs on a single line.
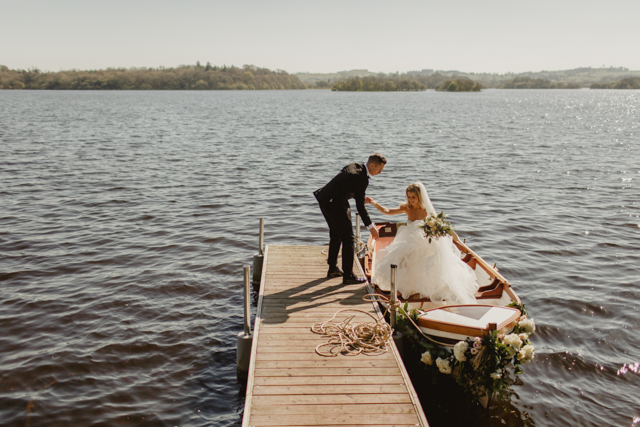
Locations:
{"points": [[495, 36]]}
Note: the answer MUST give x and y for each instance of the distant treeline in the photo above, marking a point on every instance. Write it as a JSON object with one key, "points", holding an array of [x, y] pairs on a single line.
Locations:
{"points": [[628, 83], [377, 84], [529, 83], [184, 77], [459, 85]]}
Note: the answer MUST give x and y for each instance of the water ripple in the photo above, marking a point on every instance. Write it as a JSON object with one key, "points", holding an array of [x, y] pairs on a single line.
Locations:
{"points": [[127, 217]]}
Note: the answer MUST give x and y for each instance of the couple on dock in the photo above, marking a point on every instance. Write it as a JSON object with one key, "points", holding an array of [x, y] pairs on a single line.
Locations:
{"points": [[432, 269]]}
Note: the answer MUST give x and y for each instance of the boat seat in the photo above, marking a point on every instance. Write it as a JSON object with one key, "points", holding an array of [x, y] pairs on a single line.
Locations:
{"points": [[492, 291], [388, 230], [470, 260]]}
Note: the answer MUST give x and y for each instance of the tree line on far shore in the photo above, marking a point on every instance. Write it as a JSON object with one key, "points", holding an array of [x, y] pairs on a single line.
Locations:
{"points": [[377, 84], [628, 83], [250, 77], [531, 83], [459, 85], [184, 77]]}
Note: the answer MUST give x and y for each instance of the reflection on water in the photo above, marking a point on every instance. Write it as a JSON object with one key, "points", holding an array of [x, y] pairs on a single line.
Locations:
{"points": [[126, 218]]}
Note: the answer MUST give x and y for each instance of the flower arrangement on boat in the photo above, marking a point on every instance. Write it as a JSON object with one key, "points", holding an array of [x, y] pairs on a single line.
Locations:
{"points": [[435, 226], [481, 365]]}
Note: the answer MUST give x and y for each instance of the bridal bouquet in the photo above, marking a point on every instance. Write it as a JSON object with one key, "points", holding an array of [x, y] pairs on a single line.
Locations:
{"points": [[435, 226]]}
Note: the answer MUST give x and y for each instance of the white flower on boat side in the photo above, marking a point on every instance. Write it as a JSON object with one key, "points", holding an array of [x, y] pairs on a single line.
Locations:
{"points": [[526, 354], [459, 349], [513, 340], [426, 358], [527, 325], [523, 336], [443, 365]]}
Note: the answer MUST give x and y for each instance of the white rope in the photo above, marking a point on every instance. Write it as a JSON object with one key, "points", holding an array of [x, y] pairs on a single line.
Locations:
{"points": [[369, 338], [386, 300]]}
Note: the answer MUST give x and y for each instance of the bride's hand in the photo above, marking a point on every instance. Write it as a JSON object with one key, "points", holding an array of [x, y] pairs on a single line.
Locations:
{"points": [[368, 200]]}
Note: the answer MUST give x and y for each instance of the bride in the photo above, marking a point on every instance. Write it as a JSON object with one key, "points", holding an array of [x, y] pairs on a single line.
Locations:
{"points": [[432, 270]]}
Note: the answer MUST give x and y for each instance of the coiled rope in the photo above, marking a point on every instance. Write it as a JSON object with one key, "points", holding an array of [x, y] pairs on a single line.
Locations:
{"points": [[369, 338]]}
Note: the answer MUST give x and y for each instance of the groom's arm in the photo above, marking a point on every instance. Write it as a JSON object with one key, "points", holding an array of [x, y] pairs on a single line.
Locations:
{"points": [[362, 210]]}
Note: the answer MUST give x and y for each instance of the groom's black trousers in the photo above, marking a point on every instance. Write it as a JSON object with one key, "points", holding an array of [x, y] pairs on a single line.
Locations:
{"points": [[338, 216]]}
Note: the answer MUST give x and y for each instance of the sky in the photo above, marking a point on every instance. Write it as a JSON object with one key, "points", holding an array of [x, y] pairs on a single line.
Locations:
{"points": [[488, 36]]}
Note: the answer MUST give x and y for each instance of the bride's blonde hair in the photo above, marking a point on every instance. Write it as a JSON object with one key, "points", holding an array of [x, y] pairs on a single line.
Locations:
{"points": [[415, 189]]}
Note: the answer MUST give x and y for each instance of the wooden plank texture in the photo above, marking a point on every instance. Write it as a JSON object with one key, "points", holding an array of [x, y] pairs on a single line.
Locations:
{"points": [[290, 384]]}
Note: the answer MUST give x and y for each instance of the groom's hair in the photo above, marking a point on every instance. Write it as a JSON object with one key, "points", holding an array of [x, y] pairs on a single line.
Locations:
{"points": [[377, 158]]}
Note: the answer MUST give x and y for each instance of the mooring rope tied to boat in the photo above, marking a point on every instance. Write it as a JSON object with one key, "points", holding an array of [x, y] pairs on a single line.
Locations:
{"points": [[369, 338], [386, 300]]}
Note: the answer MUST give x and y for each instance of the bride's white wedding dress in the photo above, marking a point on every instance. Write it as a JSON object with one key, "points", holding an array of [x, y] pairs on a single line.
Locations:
{"points": [[433, 270]]}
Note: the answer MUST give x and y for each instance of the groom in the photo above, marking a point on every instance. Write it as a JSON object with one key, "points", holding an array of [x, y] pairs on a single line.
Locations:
{"points": [[351, 182]]}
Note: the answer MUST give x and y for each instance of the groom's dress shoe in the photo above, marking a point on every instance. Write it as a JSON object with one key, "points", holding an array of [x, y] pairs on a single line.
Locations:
{"points": [[334, 272], [352, 280]]}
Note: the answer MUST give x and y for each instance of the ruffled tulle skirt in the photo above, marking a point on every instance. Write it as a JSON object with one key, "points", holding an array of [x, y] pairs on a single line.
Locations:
{"points": [[433, 270]]}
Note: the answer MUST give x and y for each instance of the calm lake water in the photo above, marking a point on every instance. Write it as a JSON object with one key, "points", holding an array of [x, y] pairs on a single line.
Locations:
{"points": [[126, 218]]}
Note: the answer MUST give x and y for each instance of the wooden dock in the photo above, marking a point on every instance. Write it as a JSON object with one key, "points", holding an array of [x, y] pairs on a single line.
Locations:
{"points": [[289, 384]]}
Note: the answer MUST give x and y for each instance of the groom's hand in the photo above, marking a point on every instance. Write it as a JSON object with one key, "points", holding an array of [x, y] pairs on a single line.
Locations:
{"points": [[374, 233]]}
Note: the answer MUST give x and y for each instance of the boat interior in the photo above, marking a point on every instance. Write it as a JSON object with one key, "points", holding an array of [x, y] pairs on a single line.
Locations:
{"points": [[494, 289]]}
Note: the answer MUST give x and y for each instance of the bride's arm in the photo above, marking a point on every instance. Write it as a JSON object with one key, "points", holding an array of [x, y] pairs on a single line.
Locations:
{"points": [[386, 211]]}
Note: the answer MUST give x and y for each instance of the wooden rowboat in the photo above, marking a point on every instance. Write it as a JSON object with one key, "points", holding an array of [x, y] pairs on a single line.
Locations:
{"points": [[449, 324]]}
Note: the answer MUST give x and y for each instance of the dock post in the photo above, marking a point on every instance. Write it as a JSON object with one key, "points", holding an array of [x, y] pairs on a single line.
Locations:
{"points": [[258, 259], [393, 297], [397, 335], [243, 356]]}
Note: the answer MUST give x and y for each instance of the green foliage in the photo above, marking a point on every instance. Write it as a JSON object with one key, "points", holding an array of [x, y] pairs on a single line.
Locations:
{"points": [[377, 84], [626, 83], [184, 77], [529, 83], [459, 85], [482, 366]]}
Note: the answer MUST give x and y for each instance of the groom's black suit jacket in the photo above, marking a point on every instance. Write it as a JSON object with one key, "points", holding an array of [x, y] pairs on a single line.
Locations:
{"points": [[351, 182]]}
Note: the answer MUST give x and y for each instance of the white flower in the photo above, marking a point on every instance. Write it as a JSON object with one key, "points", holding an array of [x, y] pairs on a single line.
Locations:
{"points": [[474, 351], [443, 365], [496, 375], [528, 325], [513, 340], [459, 349], [426, 358], [523, 336], [526, 354]]}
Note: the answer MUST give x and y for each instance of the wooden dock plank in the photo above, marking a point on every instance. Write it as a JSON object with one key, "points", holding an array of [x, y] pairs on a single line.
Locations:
{"points": [[348, 399], [310, 372], [306, 356], [363, 379], [290, 384], [396, 408], [323, 419], [325, 362], [301, 390]]}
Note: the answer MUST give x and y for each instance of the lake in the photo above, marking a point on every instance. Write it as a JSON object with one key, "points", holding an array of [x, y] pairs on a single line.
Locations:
{"points": [[126, 218]]}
